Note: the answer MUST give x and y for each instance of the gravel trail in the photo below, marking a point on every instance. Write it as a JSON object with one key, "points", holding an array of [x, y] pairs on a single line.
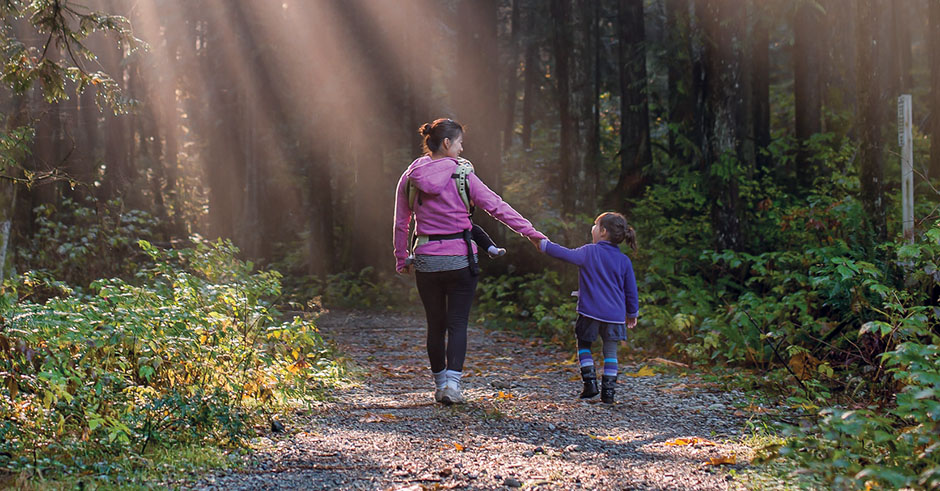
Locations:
{"points": [[523, 425]]}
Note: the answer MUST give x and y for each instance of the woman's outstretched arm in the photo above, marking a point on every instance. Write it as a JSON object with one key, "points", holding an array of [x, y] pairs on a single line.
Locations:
{"points": [[485, 198]]}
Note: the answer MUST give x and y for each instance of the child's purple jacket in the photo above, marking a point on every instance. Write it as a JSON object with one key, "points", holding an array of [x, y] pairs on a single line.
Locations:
{"points": [[440, 211], [606, 284]]}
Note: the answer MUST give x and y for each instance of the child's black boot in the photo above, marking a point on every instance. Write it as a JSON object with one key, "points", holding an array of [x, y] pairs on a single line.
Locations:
{"points": [[590, 382], [608, 384]]}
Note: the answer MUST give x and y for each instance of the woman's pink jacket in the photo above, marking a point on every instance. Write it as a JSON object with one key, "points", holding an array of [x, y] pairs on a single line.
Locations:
{"points": [[440, 211]]}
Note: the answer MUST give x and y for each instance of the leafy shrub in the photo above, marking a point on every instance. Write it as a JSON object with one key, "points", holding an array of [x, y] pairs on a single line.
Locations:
{"points": [[366, 289], [193, 353], [78, 244], [539, 303]]}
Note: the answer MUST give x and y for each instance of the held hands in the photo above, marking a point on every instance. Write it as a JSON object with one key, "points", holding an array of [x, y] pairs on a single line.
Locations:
{"points": [[536, 241]]}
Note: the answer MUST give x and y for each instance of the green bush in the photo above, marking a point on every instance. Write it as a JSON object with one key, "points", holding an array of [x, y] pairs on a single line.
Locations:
{"points": [[539, 303], [194, 352], [78, 244]]}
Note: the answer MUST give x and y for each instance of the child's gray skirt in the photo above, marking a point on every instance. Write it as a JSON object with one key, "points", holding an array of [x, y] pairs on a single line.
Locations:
{"points": [[587, 329]]}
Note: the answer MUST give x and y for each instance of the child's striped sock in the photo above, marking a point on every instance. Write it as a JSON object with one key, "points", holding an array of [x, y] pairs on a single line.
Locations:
{"points": [[584, 354], [610, 358]]}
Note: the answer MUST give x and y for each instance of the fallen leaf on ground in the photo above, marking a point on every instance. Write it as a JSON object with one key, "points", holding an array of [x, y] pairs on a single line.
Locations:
{"points": [[617, 438], [722, 460], [663, 361], [459, 447], [689, 441], [379, 418], [503, 395], [642, 372], [803, 365]]}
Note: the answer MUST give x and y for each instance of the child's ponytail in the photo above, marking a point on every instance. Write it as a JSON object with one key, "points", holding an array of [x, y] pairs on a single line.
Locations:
{"points": [[618, 230], [629, 238]]}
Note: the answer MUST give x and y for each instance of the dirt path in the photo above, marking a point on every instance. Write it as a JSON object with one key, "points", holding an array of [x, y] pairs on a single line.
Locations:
{"points": [[522, 427]]}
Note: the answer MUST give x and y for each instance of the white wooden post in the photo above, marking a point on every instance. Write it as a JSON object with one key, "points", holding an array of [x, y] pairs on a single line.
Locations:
{"points": [[907, 165], [4, 240]]}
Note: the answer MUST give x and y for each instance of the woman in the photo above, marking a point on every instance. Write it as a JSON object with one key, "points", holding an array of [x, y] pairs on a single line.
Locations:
{"points": [[445, 257]]}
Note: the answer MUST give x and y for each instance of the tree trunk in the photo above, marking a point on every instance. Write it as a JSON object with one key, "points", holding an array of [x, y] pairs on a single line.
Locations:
{"points": [[838, 70], [512, 77], [760, 84], [225, 181], [723, 120], [418, 87], [806, 90], [532, 74], [594, 138], [47, 153], [561, 43], [933, 50], [477, 94], [635, 151], [902, 38], [871, 162], [87, 172], [679, 73], [116, 160]]}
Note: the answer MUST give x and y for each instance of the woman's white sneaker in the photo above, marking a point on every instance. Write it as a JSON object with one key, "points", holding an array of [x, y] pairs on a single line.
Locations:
{"points": [[451, 394]]}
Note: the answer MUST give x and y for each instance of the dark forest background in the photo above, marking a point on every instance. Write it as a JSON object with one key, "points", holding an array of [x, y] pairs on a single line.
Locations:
{"points": [[285, 126]]}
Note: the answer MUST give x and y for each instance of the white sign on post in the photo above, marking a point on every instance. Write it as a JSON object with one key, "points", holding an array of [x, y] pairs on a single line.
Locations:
{"points": [[907, 165]]}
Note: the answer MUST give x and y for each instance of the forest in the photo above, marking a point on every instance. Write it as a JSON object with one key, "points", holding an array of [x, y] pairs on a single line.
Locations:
{"points": [[185, 186]]}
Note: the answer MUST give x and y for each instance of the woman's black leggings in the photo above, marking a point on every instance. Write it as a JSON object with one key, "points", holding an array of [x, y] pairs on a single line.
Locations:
{"points": [[447, 297]]}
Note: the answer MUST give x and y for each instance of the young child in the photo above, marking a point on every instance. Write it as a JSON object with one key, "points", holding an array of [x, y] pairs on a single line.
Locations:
{"points": [[607, 299]]}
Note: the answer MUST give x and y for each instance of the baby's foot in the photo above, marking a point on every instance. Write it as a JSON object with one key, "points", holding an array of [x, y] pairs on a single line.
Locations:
{"points": [[496, 251]]}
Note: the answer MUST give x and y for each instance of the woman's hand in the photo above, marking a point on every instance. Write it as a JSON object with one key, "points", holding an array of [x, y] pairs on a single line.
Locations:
{"points": [[631, 323], [407, 269], [537, 242]]}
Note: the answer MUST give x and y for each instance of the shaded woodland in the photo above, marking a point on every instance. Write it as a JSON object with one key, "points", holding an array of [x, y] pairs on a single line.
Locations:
{"points": [[285, 127]]}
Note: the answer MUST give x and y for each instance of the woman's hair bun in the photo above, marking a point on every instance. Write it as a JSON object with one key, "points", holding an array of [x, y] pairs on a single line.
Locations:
{"points": [[425, 129]]}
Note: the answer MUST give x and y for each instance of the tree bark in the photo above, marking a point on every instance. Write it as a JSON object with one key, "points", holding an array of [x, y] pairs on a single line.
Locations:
{"points": [[933, 43], [679, 73], [512, 77], [760, 84], [902, 38], [477, 94], [806, 90], [532, 74], [871, 162], [724, 117], [838, 70], [635, 151], [561, 42]]}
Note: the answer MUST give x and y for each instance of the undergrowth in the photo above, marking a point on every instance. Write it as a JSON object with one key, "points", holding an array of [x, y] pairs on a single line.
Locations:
{"points": [[190, 352]]}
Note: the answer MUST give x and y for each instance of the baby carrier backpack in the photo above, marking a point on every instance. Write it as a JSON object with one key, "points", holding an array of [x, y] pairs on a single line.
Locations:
{"points": [[464, 169]]}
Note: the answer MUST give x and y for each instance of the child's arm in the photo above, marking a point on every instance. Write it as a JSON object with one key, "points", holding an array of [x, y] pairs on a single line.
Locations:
{"points": [[573, 256], [631, 296]]}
